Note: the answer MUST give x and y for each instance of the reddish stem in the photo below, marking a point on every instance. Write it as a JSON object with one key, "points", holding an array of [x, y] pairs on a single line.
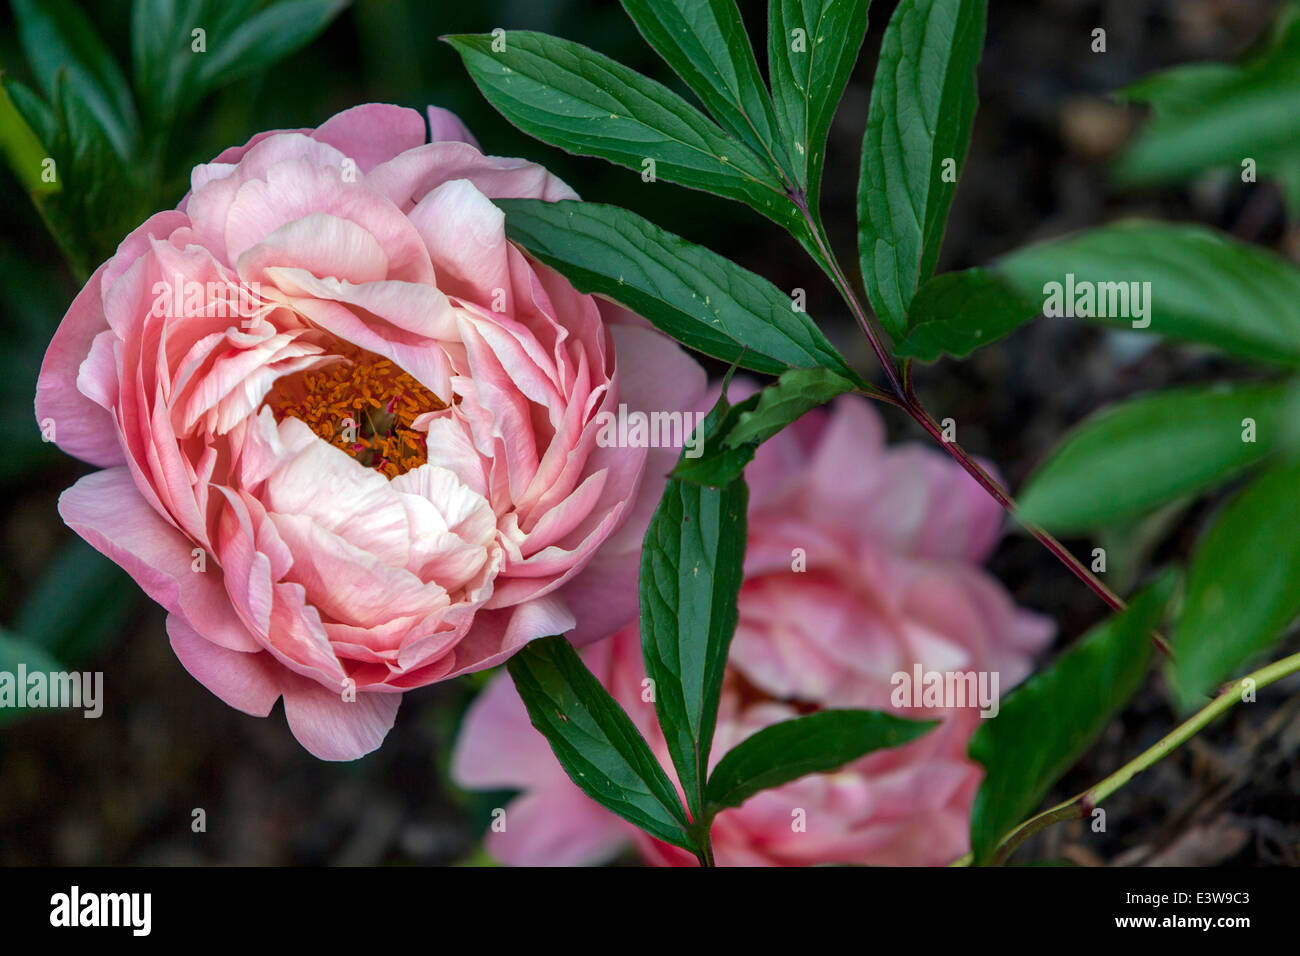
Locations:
{"points": [[905, 398]]}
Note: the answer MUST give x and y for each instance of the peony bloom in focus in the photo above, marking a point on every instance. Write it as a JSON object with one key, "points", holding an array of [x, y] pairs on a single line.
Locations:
{"points": [[348, 430], [862, 562]]}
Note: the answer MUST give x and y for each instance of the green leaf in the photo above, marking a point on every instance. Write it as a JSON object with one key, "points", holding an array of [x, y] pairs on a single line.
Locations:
{"points": [[717, 465], [1131, 544], [1051, 720], [807, 83], [705, 42], [1243, 589], [1134, 457], [79, 630], [35, 111], [691, 568], [922, 109], [57, 37], [1204, 286], [103, 195], [794, 393], [959, 312], [816, 743], [30, 320], [722, 455], [164, 62], [14, 651], [263, 38], [1213, 114], [699, 298], [595, 741], [24, 153], [1287, 174], [575, 98]]}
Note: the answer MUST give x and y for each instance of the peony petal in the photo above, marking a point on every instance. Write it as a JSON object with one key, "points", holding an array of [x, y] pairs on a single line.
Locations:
{"points": [[498, 634], [446, 127], [466, 238], [558, 827], [332, 728], [323, 245], [249, 682], [81, 427], [106, 509], [372, 133], [408, 178], [498, 748]]}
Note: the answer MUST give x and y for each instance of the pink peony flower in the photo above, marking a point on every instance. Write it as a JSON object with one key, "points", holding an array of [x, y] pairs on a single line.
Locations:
{"points": [[348, 430], [862, 563]]}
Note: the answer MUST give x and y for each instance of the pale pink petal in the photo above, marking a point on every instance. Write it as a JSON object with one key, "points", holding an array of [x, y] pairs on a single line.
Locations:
{"points": [[498, 748], [106, 509], [81, 427], [323, 245], [557, 827], [372, 133], [470, 259], [408, 178], [249, 682], [332, 728], [498, 634], [446, 127]]}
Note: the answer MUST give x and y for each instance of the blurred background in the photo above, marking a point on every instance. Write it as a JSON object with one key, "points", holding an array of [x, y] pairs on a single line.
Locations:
{"points": [[122, 789]]}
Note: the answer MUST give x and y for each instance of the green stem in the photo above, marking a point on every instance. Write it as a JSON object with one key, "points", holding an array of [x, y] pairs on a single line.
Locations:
{"points": [[704, 843], [1082, 804]]}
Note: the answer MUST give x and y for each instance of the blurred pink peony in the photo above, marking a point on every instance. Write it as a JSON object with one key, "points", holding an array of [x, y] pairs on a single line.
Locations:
{"points": [[889, 542], [348, 430]]}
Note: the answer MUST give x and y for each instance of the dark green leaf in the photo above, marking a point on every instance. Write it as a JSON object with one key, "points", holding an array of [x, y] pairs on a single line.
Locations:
{"points": [[595, 741], [717, 465], [14, 651], [1141, 454], [583, 102], [77, 631], [691, 569], [807, 82], [1243, 588], [816, 743], [263, 38], [705, 42], [959, 312], [725, 451], [794, 393], [57, 37], [699, 298], [31, 319], [1052, 719], [163, 58], [922, 109], [1287, 174]]}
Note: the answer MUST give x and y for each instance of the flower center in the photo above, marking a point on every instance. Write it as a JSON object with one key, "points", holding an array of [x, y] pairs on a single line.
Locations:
{"points": [[364, 405]]}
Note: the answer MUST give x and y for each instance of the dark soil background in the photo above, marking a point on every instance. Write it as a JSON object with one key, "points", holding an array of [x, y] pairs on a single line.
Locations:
{"points": [[123, 789]]}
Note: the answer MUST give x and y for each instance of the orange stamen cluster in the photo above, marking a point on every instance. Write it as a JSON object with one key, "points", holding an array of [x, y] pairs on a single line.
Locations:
{"points": [[364, 405]]}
